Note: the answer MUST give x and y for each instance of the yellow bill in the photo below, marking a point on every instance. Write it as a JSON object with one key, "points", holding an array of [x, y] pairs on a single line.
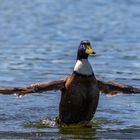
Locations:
{"points": [[89, 50]]}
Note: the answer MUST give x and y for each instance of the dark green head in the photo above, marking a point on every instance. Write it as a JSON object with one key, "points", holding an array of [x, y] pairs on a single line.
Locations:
{"points": [[84, 50]]}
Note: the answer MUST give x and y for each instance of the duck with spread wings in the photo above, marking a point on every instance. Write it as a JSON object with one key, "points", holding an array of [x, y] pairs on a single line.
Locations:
{"points": [[79, 91]]}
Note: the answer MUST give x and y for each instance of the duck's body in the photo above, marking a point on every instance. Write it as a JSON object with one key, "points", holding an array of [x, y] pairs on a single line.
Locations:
{"points": [[79, 99]]}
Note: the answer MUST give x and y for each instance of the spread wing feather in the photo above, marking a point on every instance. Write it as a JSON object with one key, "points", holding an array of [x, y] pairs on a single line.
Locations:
{"points": [[34, 88], [113, 88]]}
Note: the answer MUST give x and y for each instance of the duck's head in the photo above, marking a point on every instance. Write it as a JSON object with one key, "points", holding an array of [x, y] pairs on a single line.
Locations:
{"points": [[84, 50]]}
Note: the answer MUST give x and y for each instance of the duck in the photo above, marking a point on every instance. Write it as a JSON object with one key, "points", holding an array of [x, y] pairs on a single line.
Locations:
{"points": [[80, 90], [80, 96]]}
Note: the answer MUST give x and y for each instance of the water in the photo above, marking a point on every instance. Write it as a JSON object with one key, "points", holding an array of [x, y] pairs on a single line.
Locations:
{"points": [[38, 42]]}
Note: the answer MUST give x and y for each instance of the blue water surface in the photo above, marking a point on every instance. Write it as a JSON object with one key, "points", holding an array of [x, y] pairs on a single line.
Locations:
{"points": [[38, 42]]}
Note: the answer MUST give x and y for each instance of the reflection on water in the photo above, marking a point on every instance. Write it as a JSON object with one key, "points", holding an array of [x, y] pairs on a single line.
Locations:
{"points": [[80, 134], [77, 131], [38, 42]]}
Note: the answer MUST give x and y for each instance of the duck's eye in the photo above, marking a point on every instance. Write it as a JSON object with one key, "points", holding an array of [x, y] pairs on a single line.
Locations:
{"points": [[88, 44]]}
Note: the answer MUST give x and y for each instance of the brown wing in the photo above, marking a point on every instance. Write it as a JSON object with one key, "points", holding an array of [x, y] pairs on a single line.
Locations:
{"points": [[34, 88], [113, 88]]}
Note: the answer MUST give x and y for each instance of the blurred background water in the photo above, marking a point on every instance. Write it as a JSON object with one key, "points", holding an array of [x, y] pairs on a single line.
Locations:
{"points": [[38, 42]]}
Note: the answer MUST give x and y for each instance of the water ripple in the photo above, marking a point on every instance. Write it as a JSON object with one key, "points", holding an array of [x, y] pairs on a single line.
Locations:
{"points": [[38, 42]]}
